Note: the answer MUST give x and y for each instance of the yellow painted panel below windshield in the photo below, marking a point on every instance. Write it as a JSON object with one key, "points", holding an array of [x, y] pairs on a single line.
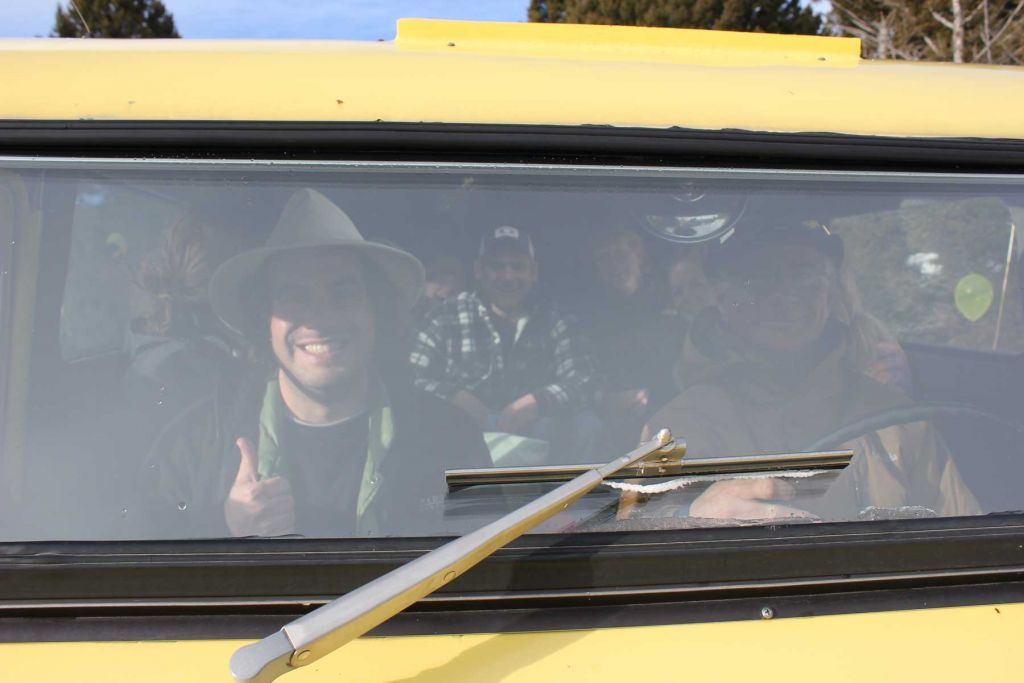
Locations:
{"points": [[956, 644]]}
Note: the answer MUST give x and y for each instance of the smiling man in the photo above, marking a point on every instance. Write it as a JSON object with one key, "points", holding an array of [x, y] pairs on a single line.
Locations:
{"points": [[506, 357], [324, 441], [771, 369]]}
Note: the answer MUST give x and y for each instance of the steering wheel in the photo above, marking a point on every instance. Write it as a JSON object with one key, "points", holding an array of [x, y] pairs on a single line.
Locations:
{"points": [[890, 417]]}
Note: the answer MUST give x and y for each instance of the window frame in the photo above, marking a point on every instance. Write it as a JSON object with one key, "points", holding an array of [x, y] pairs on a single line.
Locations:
{"points": [[16, 333], [7, 277], [810, 560], [700, 566]]}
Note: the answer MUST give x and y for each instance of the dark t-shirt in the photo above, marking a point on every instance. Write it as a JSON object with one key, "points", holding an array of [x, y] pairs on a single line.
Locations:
{"points": [[325, 469], [506, 329]]}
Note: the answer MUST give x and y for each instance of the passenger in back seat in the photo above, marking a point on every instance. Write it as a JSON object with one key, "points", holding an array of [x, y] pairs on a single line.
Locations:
{"points": [[635, 341], [178, 349], [510, 359]]}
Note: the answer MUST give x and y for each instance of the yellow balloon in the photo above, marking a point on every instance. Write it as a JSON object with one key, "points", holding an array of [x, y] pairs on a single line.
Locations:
{"points": [[973, 296], [118, 242]]}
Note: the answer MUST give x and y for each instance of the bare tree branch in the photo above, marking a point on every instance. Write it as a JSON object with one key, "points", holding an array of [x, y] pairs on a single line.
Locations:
{"points": [[1009, 21], [85, 23], [942, 20], [932, 46], [988, 31], [958, 31]]}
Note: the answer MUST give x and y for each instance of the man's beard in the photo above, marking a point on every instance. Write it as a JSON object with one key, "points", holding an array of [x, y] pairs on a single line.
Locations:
{"points": [[333, 392]]}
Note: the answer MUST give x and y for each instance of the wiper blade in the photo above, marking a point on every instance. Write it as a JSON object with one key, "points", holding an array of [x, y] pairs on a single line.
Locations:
{"points": [[669, 464], [327, 628]]}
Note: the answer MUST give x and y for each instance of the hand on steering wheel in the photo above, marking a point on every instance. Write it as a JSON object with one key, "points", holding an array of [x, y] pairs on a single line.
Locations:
{"points": [[758, 498]]}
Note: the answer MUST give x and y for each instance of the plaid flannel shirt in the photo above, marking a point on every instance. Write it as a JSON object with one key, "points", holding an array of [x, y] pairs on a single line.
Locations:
{"points": [[459, 348]]}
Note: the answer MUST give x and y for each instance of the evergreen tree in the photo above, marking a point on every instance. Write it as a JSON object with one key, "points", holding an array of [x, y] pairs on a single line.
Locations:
{"points": [[546, 11], [772, 16], [114, 19]]}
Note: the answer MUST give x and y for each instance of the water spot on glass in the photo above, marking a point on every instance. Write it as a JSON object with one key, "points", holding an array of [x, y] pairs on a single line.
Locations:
{"points": [[182, 506], [124, 512], [152, 465]]}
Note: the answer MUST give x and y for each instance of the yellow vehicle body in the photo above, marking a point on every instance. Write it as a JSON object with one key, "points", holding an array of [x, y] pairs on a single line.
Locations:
{"points": [[533, 75], [926, 645], [460, 72]]}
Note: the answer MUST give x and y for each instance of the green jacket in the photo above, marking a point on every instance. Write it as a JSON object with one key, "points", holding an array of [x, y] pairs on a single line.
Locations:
{"points": [[413, 438], [274, 460]]}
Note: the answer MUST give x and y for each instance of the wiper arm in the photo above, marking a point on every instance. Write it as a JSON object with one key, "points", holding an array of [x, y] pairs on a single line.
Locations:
{"points": [[327, 628]]}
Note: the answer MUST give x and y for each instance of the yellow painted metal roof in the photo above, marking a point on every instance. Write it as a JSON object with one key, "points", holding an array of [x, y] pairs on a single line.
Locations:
{"points": [[467, 72]]}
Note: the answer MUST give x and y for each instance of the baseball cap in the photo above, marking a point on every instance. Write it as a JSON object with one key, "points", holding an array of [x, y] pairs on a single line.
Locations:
{"points": [[506, 236], [748, 239]]}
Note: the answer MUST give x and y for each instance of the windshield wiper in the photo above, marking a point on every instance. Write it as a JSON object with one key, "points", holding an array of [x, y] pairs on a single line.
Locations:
{"points": [[669, 464], [327, 628], [340, 621]]}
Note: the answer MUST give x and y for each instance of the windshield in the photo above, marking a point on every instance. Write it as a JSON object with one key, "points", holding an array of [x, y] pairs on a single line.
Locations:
{"points": [[252, 350]]}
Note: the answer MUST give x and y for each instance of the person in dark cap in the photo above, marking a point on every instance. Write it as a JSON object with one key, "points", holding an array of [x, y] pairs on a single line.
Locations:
{"points": [[770, 369], [512, 362], [324, 440]]}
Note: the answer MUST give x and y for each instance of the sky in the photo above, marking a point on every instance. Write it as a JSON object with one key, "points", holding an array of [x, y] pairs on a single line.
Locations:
{"points": [[331, 19], [340, 19]]}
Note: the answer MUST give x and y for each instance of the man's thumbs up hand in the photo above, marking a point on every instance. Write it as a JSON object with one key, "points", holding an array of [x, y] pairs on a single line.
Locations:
{"points": [[256, 507], [249, 467]]}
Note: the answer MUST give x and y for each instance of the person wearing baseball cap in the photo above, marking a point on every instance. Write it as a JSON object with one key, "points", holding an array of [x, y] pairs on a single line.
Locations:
{"points": [[323, 441], [771, 369], [509, 359]]}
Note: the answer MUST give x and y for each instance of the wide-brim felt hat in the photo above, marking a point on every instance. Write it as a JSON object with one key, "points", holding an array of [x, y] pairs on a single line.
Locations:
{"points": [[309, 221]]}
